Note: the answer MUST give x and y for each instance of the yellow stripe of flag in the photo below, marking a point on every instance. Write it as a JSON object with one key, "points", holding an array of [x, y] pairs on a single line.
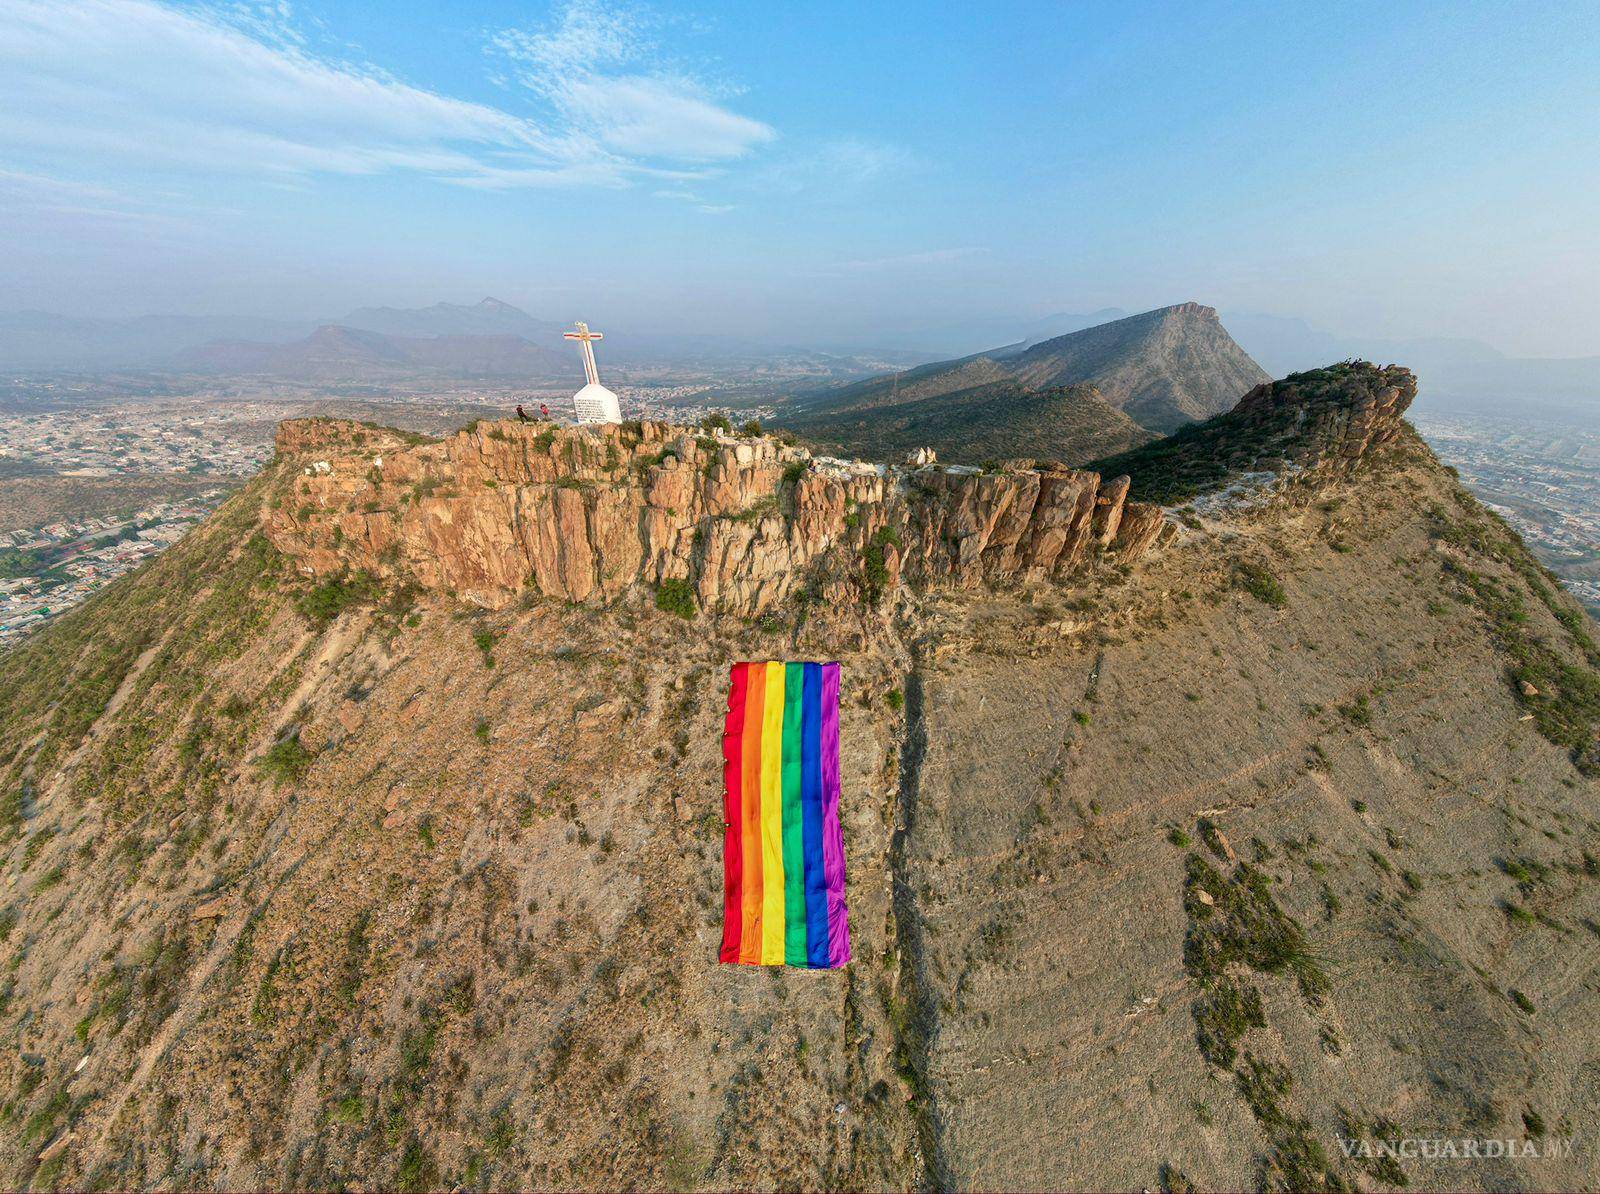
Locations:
{"points": [[772, 912]]}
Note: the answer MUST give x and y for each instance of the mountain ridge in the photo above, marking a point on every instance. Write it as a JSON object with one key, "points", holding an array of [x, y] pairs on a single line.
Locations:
{"points": [[1162, 368], [487, 317], [1080, 395]]}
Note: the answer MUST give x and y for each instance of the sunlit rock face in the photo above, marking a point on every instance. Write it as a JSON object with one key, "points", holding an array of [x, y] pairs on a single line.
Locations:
{"points": [[584, 514]]}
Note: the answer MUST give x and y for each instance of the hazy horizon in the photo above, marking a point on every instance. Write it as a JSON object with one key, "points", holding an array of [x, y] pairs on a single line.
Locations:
{"points": [[827, 177]]}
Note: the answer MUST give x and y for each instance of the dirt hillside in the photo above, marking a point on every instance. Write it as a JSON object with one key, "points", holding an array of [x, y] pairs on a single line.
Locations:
{"points": [[1166, 868]]}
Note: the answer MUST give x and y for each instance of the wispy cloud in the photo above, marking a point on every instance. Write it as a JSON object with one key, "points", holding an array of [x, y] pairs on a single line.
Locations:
{"points": [[694, 200], [597, 69], [39, 199], [235, 88]]}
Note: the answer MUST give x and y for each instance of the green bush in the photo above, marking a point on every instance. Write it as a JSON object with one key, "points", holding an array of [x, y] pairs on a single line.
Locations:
{"points": [[1261, 584], [1358, 712], [676, 597], [332, 597], [485, 639], [875, 563], [287, 761]]}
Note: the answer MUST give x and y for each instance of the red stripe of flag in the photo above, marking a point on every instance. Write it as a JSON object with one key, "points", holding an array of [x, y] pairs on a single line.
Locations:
{"points": [[732, 814]]}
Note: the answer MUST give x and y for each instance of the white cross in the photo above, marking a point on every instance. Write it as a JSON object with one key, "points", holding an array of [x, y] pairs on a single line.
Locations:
{"points": [[584, 336]]}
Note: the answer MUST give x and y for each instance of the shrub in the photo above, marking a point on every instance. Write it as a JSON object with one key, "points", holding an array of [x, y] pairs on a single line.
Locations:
{"points": [[287, 761], [895, 699], [751, 427], [1244, 924], [332, 597], [875, 562], [713, 423], [1358, 712], [1517, 913], [484, 639], [1262, 585], [676, 597], [416, 1170]]}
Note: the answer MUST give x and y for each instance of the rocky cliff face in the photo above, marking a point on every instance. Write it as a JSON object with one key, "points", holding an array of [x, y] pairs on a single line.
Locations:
{"points": [[1334, 414], [585, 514]]}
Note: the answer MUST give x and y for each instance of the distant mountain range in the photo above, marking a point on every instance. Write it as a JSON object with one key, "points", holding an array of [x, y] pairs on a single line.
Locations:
{"points": [[1454, 374], [44, 341], [489, 338], [490, 317], [40, 340], [336, 350], [1117, 382]]}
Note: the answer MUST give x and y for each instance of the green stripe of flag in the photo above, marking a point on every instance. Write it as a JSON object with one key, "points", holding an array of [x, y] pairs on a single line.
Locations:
{"points": [[794, 866]]}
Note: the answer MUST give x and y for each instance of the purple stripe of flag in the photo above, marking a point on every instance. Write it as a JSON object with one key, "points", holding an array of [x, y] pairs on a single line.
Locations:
{"points": [[832, 835]]}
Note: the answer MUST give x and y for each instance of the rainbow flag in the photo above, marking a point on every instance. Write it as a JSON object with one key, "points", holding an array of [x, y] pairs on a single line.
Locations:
{"points": [[783, 852]]}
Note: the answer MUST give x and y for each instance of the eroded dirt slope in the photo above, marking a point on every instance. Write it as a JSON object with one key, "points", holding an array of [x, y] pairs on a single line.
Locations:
{"points": [[1284, 858]]}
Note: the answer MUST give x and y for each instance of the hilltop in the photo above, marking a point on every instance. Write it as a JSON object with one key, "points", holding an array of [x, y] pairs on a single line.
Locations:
{"points": [[1107, 387], [372, 834]]}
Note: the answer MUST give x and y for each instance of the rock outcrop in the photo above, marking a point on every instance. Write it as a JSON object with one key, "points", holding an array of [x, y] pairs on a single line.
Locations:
{"points": [[584, 514], [1323, 422], [1334, 414]]}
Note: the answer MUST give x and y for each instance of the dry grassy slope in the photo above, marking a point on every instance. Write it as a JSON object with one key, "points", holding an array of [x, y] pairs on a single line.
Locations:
{"points": [[470, 938], [1372, 711], [466, 934]]}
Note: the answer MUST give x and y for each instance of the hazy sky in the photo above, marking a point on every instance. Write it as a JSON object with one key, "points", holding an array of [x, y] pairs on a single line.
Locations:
{"points": [[825, 170]]}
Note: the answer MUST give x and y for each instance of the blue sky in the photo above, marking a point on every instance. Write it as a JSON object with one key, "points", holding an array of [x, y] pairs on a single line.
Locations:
{"points": [[828, 172]]}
